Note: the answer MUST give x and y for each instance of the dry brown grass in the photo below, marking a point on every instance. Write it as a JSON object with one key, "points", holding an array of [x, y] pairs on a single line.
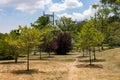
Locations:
{"points": [[68, 67]]}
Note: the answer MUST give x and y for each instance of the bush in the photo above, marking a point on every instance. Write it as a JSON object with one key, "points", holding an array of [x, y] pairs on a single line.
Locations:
{"points": [[114, 41], [6, 56], [5, 51]]}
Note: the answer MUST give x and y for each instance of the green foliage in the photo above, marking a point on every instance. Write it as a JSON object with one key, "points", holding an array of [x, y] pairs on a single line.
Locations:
{"points": [[114, 5], [41, 22], [65, 24], [114, 41], [89, 36], [13, 40], [29, 39], [5, 51]]}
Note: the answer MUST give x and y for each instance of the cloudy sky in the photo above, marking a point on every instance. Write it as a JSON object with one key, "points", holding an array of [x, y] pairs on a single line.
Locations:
{"points": [[24, 12]]}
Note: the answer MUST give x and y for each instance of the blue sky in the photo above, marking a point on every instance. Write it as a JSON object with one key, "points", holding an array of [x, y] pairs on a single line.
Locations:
{"points": [[23, 12]]}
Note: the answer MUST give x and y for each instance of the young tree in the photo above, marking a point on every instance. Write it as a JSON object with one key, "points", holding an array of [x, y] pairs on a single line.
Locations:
{"points": [[29, 38], [47, 37], [44, 24], [5, 51], [89, 37], [12, 40]]}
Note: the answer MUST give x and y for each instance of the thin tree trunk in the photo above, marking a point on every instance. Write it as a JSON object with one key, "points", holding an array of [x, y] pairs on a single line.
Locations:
{"points": [[49, 54], [90, 56], [102, 48], [94, 53], [99, 49], [28, 59], [40, 54], [87, 51], [16, 57], [83, 52]]}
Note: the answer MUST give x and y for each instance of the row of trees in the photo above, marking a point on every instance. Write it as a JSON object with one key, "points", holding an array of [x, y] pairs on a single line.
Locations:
{"points": [[65, 35]]}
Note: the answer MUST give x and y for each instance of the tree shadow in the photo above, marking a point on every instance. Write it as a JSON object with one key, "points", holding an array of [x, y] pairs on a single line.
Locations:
{"points": [[48, 57], [39, 59], [82, 56], [31, 71], [90, 66], [97, 60], [19, 62]]}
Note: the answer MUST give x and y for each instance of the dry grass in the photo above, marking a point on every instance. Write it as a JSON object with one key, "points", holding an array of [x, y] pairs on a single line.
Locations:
{"points": [[68, 67]]}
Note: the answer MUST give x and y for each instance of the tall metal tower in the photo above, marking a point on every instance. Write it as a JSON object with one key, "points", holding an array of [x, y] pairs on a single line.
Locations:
{"points": [[51, 16]]}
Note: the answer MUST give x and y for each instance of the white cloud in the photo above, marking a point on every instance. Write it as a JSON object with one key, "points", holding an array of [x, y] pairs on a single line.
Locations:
{"points": [[64, 15], [25, 5], [80, 16], [3, 2], [57, 7], [73, 3], [89, 12]]}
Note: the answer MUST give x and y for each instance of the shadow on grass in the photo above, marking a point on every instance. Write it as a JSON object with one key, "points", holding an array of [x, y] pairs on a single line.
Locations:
{"points": [[63, 54], [82, 56], [97, 60], [48, 57], [39, 59], [31, 71], [67, 60], [90, 66], [19, 62]]}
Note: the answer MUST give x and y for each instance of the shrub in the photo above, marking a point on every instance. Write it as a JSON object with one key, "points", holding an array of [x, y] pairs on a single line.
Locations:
{"points": [[64, 42]]}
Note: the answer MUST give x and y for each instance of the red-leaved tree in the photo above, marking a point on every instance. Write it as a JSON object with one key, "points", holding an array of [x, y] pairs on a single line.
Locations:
{"points": [[64, 43]]}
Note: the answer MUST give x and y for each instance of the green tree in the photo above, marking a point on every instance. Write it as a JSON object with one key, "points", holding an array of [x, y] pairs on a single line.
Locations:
{"points": [[41, 22], [89, 37], [29, 38], [47, 37], [114, 5], [113, 34], [101, 18], [5, 51], [44, 24], [66, 25], [12, 40]]}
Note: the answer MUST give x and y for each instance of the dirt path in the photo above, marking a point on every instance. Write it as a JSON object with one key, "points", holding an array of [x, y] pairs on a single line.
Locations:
{"points": [[72, 74]]}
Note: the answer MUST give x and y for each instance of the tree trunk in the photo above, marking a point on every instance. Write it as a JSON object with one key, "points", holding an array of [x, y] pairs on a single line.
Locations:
{"points": [[83, 52], [102, 48], [90, 57], [34, 52], [16, 57], [94, 53], [40, 54], [28, 59], [99, 49], [49, 54]]}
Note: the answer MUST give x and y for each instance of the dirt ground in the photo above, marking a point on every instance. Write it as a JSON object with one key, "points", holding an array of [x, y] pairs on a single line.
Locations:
{"points": [[67, 67]]}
